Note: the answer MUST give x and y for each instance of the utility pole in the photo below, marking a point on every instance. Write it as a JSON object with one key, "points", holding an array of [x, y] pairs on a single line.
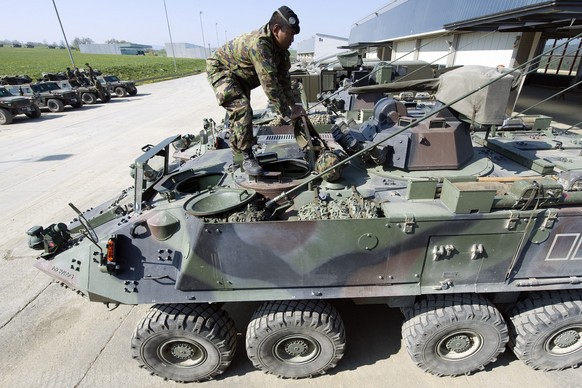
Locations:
{"points": [[203, 41], [171, 42], [64, 35]]}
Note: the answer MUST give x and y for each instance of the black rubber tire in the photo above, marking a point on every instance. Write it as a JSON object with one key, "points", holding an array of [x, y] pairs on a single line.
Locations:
{"points": [[185, 342], [120, 91], [55, 105], [132, 91], [77, 104], [104, 96], [35, 114], [451, 335], [546, 330], [88, 98], [6, 117], [295, 339]]}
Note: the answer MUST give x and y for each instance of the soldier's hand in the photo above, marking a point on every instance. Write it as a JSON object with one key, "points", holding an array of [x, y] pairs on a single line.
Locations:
{"points": [[296, 112]]}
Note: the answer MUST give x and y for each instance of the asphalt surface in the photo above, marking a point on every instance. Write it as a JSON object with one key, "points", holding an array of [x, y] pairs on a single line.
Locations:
{"points": [[51, 337]]}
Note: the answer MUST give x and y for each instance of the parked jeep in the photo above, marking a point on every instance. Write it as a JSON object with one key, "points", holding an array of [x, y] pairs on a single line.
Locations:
{"points": [[48, 95], [11, 106], [89, 93], [118, 87]]}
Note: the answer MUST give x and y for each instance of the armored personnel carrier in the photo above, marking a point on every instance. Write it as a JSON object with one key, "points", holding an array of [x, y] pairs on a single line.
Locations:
{"points": [[468, 221], [11, 105]]}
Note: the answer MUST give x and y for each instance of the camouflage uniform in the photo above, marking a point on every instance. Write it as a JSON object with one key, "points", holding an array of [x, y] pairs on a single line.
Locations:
{"points": [[241, 65]]}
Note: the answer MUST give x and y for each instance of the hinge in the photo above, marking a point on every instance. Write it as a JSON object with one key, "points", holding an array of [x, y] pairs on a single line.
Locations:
{"points": [[512, 221], [551, 217]]}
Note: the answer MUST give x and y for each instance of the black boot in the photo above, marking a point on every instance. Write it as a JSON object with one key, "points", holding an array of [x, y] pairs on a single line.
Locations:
{"points": [[250, 165]]}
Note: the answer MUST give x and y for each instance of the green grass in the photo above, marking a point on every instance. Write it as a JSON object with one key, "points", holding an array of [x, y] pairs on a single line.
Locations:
{"points": [[34, 61]]}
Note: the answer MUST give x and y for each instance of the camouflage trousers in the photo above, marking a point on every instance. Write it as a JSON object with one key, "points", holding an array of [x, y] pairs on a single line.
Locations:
{"points": [[233, 96]]}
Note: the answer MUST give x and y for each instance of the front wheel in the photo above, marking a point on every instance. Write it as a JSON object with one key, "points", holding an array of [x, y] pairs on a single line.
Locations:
{"points": [[295, 338], [185, 342], [450, 335], [546, 330], [35, 114]]}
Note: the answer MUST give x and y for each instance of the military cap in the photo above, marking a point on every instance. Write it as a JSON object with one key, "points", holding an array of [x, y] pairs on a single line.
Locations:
{"points": [[290, 17]]}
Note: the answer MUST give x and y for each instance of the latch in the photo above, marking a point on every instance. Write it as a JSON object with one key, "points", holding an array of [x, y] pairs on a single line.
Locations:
{"points": [[442, 250], [552, 216], [513, 220], [443, 285], [408, 224], [476, 250], [437, 252]]}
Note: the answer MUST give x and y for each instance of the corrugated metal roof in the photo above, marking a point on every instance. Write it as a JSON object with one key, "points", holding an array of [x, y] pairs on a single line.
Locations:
{"points": [[414, 17]]}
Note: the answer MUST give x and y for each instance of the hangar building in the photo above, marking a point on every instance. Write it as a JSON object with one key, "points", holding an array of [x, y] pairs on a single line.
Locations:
{"points": [[488, 32]]}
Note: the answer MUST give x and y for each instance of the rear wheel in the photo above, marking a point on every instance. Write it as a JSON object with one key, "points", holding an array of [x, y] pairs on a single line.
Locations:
{"points": [[77, 104], [120, 91], [55, 105], [132, 91], [450, 335], [546, 330], [185, 342], [35, 114], [5, 116], [89, 98], [295, 338]]}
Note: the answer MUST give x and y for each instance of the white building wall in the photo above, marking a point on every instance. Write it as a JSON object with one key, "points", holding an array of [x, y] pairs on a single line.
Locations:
{"points": [[403, 51], [327, 45], [187, 50], [483, 48], [435, 51], [99, 48], [476, 48]]}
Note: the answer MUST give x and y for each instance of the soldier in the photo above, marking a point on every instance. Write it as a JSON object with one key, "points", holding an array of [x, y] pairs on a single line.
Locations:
{"points": [[91, 74], [257, 58]]}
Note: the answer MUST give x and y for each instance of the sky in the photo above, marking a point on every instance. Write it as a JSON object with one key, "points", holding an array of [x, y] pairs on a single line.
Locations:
{"points": [[144, 21]]}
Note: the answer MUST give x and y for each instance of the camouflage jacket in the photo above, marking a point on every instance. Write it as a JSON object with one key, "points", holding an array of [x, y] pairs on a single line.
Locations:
{"points": [[256, 60]]}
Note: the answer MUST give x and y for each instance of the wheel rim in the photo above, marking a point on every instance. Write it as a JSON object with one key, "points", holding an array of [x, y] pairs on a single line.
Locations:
{"points": [[182, 353], [565, 341], [296, 349], [459, 345]]}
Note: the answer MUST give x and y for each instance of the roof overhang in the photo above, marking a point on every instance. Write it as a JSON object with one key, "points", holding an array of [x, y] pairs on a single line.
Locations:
{"points": [[555, 17], [365, 45]]}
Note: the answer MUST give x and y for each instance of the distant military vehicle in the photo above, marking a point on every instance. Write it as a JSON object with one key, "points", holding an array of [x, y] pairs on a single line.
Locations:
{"points": [[116, 86], [90, 94], [11, 105], [467, 220], [48, 95]]}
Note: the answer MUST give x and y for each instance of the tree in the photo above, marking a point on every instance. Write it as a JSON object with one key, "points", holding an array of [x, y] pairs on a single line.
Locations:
{"points": [[77, 41], [113, 41]]}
